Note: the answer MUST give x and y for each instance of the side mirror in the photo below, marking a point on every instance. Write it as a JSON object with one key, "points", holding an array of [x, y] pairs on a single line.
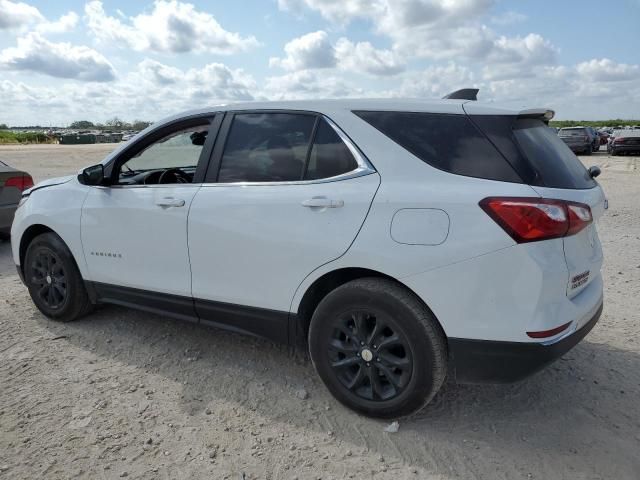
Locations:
{"points": [[93, 175], [594, 171]]}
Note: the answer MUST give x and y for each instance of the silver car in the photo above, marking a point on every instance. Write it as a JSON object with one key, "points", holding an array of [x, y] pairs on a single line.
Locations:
{"points": [[12, 183]]}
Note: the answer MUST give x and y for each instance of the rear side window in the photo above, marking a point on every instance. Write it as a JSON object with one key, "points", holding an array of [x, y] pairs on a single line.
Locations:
{"points": [[282, 147], [266, 147], [447, 142], [329, 155]]}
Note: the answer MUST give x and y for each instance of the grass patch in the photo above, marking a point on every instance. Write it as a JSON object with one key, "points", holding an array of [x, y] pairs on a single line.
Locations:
{"points": [[8, 136]]}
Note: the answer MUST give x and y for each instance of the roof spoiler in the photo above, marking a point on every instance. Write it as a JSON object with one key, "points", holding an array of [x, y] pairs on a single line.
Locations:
{"points": [[543, 114], [463, 94]]}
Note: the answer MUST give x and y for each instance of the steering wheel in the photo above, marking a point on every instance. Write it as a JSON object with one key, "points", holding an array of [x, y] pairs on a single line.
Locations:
{"points": [[178, 176]]}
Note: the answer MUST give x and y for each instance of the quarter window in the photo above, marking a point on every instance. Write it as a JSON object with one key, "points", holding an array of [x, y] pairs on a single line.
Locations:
{"points": [[448, 142], [329, 156]]}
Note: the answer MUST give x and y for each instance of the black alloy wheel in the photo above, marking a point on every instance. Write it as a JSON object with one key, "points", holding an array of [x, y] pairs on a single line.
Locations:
{"points": [[48, 276], [54, 281], [377, 347], [369, 356]]}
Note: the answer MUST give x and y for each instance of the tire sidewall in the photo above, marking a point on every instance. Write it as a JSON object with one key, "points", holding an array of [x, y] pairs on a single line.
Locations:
{"points": [[75, 285], [422, 383]]}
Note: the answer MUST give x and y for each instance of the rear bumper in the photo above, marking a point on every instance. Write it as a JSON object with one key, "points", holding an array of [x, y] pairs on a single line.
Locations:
{"points": [[485, 361], [6, 217], [626, 148]]}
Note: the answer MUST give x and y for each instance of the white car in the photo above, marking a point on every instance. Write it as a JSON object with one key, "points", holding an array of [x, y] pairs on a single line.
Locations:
{"points": [[400, 240]]}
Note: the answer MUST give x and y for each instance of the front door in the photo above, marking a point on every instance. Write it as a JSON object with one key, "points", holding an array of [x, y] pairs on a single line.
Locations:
{"points": [[291, 195], [134, 232]]}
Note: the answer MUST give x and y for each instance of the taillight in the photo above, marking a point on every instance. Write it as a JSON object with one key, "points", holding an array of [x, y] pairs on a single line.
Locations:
{"points": [[619, 140], [533, 219], [22, 182]]}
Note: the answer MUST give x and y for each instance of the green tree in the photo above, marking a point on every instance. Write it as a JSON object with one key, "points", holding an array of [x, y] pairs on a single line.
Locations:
{"points": [[140, 124], [4, 126], [82, 125]]}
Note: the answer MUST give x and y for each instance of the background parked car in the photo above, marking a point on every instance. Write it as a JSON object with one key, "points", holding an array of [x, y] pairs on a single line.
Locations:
{"points": [[604, 137], [579, 139], [624, 141], [12, 183]]}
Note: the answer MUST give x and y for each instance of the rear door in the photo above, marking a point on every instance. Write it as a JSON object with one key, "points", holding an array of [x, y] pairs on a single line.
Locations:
{"points": [[286, 193]]}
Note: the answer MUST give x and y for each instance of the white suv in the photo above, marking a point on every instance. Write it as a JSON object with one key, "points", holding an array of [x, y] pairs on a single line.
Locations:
{"points": [[400, 240]]}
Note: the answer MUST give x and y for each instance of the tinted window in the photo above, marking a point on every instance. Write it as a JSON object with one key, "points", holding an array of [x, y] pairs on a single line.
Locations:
{"points": [[447, 142], [549, 155], [572, 132], [266, 147], [329, 155]]}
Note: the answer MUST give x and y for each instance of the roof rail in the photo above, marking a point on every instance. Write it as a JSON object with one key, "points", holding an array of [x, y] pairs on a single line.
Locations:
{"points": [[463, 94]]}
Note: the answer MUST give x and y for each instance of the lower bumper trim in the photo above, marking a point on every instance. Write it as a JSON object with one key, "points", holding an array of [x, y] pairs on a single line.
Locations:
{"points": [[486, 361]]}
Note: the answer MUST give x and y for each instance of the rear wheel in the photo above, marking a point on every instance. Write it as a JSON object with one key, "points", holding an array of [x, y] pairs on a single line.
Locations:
{"points": [[588, 150], [377, 348], [53, 279]]}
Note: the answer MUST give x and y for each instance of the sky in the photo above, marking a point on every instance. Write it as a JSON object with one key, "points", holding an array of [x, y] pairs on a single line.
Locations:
{"points": [[75, 59]]}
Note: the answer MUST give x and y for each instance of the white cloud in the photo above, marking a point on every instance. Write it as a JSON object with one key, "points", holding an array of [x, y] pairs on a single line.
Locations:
{"points": [[435, 81], [171, 26], [36, 54], [65, 23], [308, 84], [364, 57], [312, 50], [606, 70], [17, 14]]}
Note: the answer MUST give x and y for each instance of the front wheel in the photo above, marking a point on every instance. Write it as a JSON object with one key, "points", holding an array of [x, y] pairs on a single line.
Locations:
{"points": [[53, 279], [377, 348]]}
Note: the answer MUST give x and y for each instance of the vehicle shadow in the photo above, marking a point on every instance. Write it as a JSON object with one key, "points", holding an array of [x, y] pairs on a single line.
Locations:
{"points": [[576, 419]]}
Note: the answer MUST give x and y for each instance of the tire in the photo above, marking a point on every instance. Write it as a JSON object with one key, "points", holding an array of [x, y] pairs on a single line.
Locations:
{"points": [[588, 150], [392, 373], [613, 152], [53, 279], [4, 237]]}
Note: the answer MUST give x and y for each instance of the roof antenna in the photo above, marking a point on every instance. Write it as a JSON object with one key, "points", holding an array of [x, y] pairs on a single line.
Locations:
{"points": [[463, 94]]}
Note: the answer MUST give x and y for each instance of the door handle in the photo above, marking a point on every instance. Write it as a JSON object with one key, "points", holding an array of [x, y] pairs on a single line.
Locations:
{"points": [[322, 202], [167, 202]]}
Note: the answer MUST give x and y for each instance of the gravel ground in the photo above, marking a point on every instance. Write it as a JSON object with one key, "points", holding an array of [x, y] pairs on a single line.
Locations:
{"points": [[129, 394]]}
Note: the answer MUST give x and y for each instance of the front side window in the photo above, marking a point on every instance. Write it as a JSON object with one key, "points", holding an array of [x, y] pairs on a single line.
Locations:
{"points": [[171, 159]]}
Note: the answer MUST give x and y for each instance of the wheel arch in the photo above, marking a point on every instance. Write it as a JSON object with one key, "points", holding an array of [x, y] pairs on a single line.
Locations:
{"points": [[331, 280], [27, 237]]}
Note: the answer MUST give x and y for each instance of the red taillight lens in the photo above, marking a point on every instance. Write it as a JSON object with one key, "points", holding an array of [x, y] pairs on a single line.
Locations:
{"points": [[579, 217], [549, 333], [533, 219], [22, 182], [619, 140]]}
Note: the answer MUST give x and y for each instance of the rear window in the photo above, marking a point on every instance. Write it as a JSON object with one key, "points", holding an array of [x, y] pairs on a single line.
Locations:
{"points": [[538, 155], [447, 142], [572, 131], [550, 157]]}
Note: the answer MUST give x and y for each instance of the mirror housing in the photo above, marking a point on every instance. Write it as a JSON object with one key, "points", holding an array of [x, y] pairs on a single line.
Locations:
{"points": [[594, 171], [93, 175]]}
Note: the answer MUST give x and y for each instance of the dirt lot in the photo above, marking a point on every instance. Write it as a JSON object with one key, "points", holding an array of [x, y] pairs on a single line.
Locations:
{"points": [[129, 394]]}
